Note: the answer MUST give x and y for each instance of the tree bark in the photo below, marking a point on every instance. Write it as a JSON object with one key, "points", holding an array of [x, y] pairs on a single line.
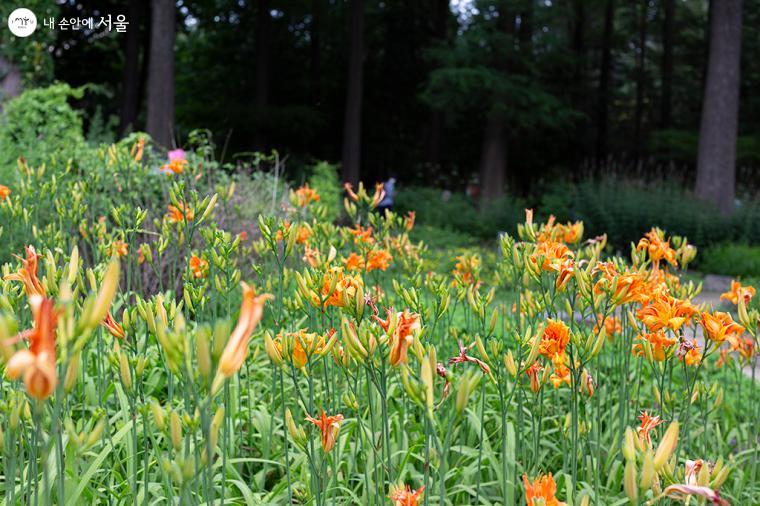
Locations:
{"points": [[130, 82], [640, 79], [604, 80], [11, 82], [667, 63], [263, 18], [316, 52], [435, 136], [716, 159], [493, 162], [352, 125], [160, 117]]}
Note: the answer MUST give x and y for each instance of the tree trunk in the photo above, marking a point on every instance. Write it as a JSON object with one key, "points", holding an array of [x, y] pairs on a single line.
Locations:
{"points": [[130, 82], [263, 17], [640, 79], [604, 80], [667, 63], [11, 82], [716, 160], [160, 120], [435, 136], [579, 45], [352, 125], [493, 162], [316, 52]]}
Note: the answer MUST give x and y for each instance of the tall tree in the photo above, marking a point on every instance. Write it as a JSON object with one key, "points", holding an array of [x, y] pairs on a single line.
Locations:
{"points": [[440, 17], [263, 20], [315, 52], [130, 82], [493, 156], [160, 117], [352, 124], [605, 72], [716, 159], [640, 77], [668, 23]]}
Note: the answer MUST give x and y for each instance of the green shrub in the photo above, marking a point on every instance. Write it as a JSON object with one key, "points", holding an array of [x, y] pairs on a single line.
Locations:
{"points": [[739, 260], [41, 126]]}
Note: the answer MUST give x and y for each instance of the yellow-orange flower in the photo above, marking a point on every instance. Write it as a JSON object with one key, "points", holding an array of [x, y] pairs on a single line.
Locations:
{"points": [[466, 269], [744, 346], [533, 372], [561, 372], [251, 311], [4, 192], [113, 327], [405, 496], [329, 426], [659, 343], [554, 339], [409, 220], [37, 363], [612, 325], [657, 247], [378, 260], [542, 492], [180, 214], [550, 255], [344, 287], [648, 423], [688, 351], [27, 274], [665, 312], [362, 234], [719, 326], [302, 345], [738, 292], [118, 248], [305, 195], [198, 266]]}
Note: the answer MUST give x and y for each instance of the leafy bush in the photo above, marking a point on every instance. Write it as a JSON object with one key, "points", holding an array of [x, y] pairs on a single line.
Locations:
{"points": [[738, 260], [453, 211], [41, 126], [625, 210]]}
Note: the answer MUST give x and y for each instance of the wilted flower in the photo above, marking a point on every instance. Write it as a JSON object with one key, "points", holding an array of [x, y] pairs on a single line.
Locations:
{"points": [[463, 357], [648, 423], [113, 327], [329, 426], [27, 274], [533, 373]]}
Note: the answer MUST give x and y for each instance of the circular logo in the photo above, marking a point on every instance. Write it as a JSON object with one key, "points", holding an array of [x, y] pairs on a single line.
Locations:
{"points": [[22, 22]]}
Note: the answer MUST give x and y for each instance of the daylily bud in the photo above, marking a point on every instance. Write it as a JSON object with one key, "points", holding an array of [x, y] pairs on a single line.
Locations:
{"points": [[175, 431], [629, 482], [126, 374], [667, 446], [105, 295], [629, 448], [158, 415], [647, 471], [71, 373]]}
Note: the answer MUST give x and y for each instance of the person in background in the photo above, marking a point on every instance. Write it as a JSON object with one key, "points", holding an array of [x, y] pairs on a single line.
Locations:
{"points": [[390, 191]]}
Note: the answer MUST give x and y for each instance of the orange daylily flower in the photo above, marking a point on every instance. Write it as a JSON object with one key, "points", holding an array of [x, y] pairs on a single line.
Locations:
{"points": [[659, 343], [303, 344], [561, 372], [305, 195], [329, 426], [137, 149], [378, 260], [565, 273], [354, 262], [113, 327], [409, 221], [27, 274], [180, 214], [466, 269], [403, 334], [118, 248], [648, 423], [362, 234], [719, 326], [251, 311], [657, 247], [4, 192], [744, 346], [405, 496], [533, 373], [37, 363], [738, 292], [688, 351], [554, 339], [198, 266], [464, 357], [551, 255], [612, 326], [665, 312], [541, 492], [345, 287]]}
